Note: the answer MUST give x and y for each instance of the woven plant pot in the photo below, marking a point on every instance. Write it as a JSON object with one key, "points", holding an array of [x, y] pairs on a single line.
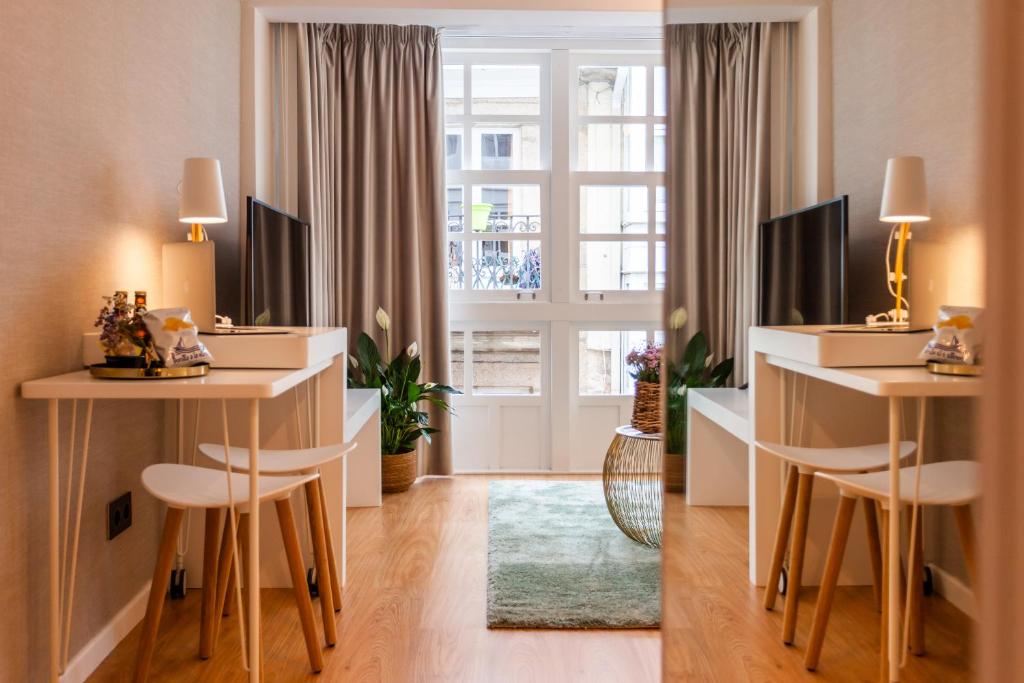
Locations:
{"points": [[675, 473], [398, 472], [647, 407]]}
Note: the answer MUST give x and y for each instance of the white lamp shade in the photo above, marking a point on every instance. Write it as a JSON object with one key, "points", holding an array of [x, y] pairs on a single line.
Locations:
{"points": [[905, 196], [202, 193]]}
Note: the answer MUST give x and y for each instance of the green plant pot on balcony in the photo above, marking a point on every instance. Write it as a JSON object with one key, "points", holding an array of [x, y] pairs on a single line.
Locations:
{"points": [[480, 216]]}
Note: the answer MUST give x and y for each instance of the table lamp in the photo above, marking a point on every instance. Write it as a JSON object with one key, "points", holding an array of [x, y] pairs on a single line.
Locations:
{"points": [[904, 201], [189, 268]]}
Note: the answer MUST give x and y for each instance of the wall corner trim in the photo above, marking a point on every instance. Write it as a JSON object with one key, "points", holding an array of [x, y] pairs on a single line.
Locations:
{"points": [[88, 659]]}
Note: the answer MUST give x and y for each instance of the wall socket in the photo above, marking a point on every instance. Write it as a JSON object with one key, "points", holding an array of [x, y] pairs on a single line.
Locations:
{"points": [[119, 515]]}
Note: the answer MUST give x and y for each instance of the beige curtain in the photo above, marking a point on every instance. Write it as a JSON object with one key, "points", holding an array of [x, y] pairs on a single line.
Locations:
{"points": [[729, 95], [371, 183]]}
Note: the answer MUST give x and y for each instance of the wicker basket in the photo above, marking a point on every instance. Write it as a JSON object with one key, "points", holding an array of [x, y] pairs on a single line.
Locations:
{"points": [[398, 472], [647, 407]]}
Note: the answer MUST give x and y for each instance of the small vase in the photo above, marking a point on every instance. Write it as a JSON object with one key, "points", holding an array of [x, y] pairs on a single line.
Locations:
{"points": [[398, 472], [647, 407]]}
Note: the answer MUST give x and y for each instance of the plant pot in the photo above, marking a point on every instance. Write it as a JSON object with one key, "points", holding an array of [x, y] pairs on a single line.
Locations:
{"points": [[647, 407], [398, 472], [126, 361], [675, 473]]}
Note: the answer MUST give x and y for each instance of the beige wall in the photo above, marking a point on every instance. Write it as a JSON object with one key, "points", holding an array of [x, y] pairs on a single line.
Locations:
{"points": [[101, 102], [907, 80]]}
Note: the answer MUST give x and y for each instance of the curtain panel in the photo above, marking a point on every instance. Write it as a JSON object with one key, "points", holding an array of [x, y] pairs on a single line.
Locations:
{"points": [[371, 183], [729, 168]]}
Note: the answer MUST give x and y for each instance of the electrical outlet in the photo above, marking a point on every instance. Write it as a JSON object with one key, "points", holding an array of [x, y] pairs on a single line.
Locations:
{"points": [[119, 515]]}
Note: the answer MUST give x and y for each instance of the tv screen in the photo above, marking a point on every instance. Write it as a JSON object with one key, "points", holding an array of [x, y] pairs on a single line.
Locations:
{"points": [[802, 266], [278, 257]]}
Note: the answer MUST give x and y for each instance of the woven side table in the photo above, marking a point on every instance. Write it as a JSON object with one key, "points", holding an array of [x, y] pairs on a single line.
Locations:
{"points": [[632, 484]]}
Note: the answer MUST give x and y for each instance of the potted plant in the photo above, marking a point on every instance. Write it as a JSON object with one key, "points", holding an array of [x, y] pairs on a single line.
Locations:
{"points": [[693, 370], [125, 340], [645, 367], [402, 422]]}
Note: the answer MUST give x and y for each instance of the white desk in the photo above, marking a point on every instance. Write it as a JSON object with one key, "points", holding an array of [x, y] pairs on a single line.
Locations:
{"points": [[849, 406], [327, 370]]}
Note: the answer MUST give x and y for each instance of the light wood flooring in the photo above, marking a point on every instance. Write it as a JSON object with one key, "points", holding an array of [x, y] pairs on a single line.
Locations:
{"points": [[414, 610]]}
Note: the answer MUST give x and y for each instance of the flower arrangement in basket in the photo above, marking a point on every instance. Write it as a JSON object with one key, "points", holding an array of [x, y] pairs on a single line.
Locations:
{"points": [[123, 335], [645, 367]]}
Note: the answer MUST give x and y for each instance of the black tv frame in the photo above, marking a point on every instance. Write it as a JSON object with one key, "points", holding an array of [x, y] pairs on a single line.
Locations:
{"points": [[248, 314]]}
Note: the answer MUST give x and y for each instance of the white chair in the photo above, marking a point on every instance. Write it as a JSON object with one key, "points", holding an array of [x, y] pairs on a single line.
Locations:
{"points": [[955, 484], [802, 464], [299, 461], [184, 487]]}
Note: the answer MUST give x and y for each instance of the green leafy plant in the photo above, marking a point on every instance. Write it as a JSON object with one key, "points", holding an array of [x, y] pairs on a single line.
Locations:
{"points": [[402, 422], [693, 370]]}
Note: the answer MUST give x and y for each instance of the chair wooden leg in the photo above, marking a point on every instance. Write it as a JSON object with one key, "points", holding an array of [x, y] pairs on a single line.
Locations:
{"points": [[292, 549], [883, 675], [225, 582], [805, 484], [211, 536], [965, 525], [157, 591], [329, 542], [874, 550], [771, 589], [836, 550], [916, 596], [323, 571]]}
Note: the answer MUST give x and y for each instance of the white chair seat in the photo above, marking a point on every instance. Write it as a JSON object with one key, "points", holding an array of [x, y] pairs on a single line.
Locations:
{"points": [[942, 483], [278, 461], [187, 486], [845, 459]]}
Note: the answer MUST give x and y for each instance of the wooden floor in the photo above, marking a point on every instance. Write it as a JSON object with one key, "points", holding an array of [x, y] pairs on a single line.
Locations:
{"points": [[414, 610], [714, 627]]}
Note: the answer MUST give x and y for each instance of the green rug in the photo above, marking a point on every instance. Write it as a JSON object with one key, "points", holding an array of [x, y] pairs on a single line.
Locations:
{"points": [[555, 559]]}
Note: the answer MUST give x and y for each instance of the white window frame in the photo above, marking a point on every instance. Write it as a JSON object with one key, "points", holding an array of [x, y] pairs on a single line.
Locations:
{"points": [[467, 177], [650, 178]]}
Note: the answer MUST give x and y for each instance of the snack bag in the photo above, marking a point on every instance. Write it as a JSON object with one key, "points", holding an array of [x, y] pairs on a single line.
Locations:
{"points": [[176, 337], [958, 336]]}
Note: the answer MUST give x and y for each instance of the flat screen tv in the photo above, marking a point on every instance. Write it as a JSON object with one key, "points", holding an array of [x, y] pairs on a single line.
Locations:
{"points": [[277, 281], [802, 260]]}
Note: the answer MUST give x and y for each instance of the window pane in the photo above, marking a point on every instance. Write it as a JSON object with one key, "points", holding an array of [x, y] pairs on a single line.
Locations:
{"points": [[611, 147], [612, 91], [506, 146], [659, 265], [455, 210], [613, 210], [506, 264], [613, 266], [660, 84], [659, 147], [506, 89], [456, 265], [458, 358], [454, 90], [602, 361], [659, 210], [453, 148], [506, 362], [506, 208]]}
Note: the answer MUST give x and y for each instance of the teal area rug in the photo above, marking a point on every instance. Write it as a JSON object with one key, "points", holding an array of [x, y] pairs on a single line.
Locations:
{"points": [[555, 559]]}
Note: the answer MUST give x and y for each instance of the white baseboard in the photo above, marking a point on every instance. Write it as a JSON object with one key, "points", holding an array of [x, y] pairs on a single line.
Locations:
{"points": [[88, 659], [954, 591]]}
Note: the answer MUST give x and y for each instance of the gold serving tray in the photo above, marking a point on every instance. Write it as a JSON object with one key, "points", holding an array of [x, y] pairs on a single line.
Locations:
{"points": [[102, 371], [937, 368]]}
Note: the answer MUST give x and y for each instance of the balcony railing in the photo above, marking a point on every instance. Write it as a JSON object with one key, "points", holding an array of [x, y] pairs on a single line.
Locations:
{"points": [[498, 222]]}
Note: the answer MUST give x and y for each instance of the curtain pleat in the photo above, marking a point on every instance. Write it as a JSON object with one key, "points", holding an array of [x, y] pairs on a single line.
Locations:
{"points": [[720, 166], [371, 184]]}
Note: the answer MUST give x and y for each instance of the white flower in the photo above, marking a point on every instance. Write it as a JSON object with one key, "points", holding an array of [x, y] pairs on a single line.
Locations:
{"points": [[412, 350], [677, 318], [383, 319], [353, 362], [429, 385], [707, 361], [681, 391]]}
